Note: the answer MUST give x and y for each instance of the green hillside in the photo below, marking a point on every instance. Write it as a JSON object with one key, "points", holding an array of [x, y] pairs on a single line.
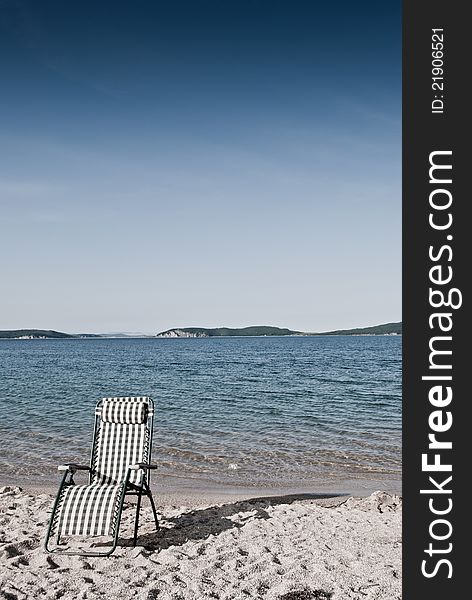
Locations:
{"points": [[35, 333], [177, 332], [385, 329], [226, 331], [258, 330]]}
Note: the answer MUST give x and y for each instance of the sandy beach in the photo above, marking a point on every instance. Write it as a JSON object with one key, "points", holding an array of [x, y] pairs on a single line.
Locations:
{"points": [[273, 547]]}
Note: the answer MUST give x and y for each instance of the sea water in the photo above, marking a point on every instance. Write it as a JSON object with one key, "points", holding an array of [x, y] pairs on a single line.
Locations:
{"points": [[271, 412]]}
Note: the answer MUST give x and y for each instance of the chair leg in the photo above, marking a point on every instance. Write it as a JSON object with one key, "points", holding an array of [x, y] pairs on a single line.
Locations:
{"points": [[153, 506], [136, 522], [151, 499]]}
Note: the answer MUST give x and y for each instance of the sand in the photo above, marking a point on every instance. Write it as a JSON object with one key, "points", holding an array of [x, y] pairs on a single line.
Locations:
{"points": [[272, 548]]}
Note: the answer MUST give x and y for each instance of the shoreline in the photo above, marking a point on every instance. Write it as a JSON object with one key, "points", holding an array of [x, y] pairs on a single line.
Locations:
{"points": [[169, 490]]}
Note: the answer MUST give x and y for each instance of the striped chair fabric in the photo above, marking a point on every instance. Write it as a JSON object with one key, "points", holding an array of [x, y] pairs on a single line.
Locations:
{"points": [[88, 510], [122, 439], [124, 410]]}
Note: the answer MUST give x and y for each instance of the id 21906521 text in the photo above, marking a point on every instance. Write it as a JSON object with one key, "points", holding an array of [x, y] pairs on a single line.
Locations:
{"points": [[437, 71]]}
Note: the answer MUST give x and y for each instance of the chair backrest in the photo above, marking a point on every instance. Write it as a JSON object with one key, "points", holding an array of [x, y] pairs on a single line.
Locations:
{"points": [[123, 437]]}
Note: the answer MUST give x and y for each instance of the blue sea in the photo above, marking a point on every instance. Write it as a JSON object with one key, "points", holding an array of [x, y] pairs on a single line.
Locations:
{"points": [[299, 413]]}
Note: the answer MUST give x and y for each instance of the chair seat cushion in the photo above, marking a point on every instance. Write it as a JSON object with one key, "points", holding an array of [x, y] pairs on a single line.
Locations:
{"points": [[88, 510]]}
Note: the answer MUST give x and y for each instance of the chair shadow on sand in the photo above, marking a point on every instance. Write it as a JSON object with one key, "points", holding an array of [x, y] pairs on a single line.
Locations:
{"points": [[198, 524]]}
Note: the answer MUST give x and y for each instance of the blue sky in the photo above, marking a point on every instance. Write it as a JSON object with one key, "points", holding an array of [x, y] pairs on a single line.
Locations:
{"points": [[200, 163]]}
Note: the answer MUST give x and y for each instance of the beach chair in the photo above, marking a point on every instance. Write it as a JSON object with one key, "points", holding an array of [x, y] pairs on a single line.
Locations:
{"points": [[119, 466]]}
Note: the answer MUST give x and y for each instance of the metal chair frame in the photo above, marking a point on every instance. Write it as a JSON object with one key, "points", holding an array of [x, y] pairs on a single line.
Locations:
{"points": [[129, 489]]}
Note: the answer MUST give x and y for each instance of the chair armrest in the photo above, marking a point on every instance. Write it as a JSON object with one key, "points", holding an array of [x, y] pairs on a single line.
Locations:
{"points": [[73, 468], [138, 466]]}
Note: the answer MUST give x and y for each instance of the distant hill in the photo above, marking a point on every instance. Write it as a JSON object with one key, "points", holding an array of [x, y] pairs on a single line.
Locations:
{"points": [[39, 334], [225, 331], [203, 332], [198, 332], [119, 335], [191, 332], [385, 329], [34, 333]]}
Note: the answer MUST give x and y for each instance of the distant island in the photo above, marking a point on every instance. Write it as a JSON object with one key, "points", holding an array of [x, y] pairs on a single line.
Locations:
{"points": [[192, 332], [385, 329], [201, 332], [42, 334]]}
